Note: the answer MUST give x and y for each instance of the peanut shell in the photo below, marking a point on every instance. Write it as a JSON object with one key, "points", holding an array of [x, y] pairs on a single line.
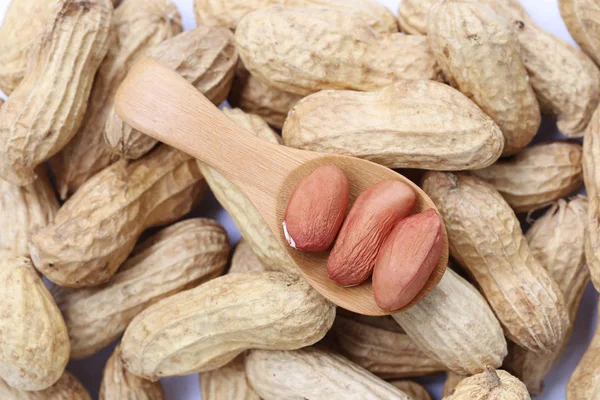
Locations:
{"points": [[35, 343], [591, 177], [255, 97], [205, 56], [565, 80], [537, 175], [389, 354], [228, 13], [452, 380], [477, 339], [247, 219], [66, 388], [118, 383], [244, 259], [412, 389], [227, 383], [582, 18], [181, 256], [137, 25], [268, 310], [584, 383], [485, 237], [23, 22], [290, 375], [23, 211], [412, 16], [96, 229], [490, 385], [557, 241], [304, 50], [410, 124], [46, 109], [480, 55]]}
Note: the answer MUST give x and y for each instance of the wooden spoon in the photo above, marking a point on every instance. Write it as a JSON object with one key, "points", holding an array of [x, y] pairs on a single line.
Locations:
{"points": [[157, 101]]}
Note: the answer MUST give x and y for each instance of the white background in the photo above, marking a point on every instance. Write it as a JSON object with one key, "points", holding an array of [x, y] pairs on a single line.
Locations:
{"points": [[546, 14]]}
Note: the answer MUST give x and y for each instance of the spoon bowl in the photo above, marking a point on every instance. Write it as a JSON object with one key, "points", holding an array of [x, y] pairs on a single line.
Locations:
{"points": [[158, 102]]}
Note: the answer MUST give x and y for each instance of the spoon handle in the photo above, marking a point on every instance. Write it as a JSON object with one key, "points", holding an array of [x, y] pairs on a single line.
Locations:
{"points": [[158, 102]]}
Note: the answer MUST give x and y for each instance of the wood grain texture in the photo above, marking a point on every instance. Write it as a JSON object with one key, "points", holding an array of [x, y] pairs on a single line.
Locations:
{"points": [[188, 121]]}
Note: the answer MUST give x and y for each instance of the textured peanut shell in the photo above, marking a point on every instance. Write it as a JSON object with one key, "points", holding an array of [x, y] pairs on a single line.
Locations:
{"points": [[584, 383], [490, 385], [411, 124], [23, 211], [565, 80], [452, 380], [304, 50], [228, 13], [35, 343], [557, 241], [205, 328], [537, 175], [227, 383], [137, 26], [591, 177], [480, 55], [388, 354], [46, 109], [256, 97], [412, 389], [314, 374], [247, 219], [174, 259], [582, 18], [477, 339], [66, 388], [412, 16], [485, 237], [23, 22], [119, 384], [244, 259], [96, 229], [205, 56]]}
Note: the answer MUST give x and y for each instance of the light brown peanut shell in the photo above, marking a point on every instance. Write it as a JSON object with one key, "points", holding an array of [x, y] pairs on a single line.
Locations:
{"points": [[205, 56], [228, 13], [452, 380], [410, 124], [23, 211], [389, 354], [244, 259], [23, 22], [256, 97], [227, 383], [582, 18], [247, 219], [66, 388], [304, 50], [35, 343], [591, 177], [537, 175], [485, 237], [557, 241], [46, 109], [584, 383], [119, 384], [291, 375], [565, 80], [477, 338], [137, 26], [178, 257], [413, 390], [490, 385], [412, 16], [480, 55], [269, 310], [96, 229]]}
